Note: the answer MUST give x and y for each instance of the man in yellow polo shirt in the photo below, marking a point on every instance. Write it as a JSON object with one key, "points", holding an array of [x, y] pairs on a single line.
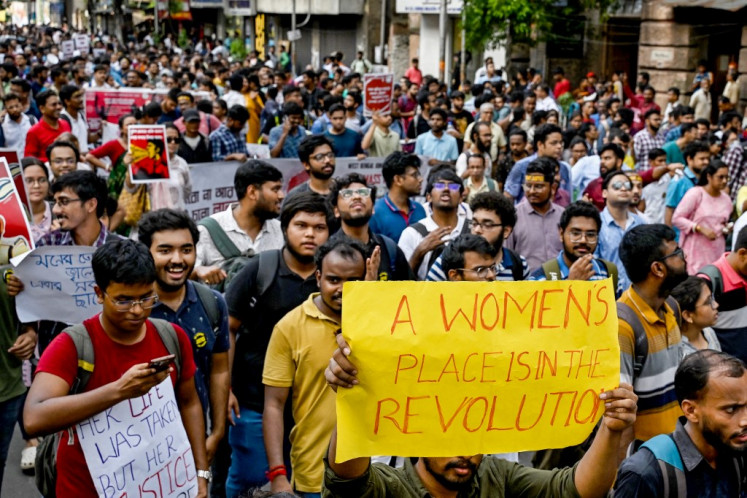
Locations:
{"points": [[655, 265], [300, 348]]}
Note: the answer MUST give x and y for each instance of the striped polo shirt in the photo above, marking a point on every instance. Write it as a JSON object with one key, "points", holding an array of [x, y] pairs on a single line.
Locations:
{"points": [[658, 409], [731, 326]]}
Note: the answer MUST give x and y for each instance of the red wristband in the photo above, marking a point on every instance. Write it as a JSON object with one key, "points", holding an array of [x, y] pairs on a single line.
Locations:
{"points": [[276, 471]]}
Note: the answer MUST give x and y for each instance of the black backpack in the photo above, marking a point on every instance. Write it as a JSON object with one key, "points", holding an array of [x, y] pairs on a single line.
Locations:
{"points": [[435, 253]]}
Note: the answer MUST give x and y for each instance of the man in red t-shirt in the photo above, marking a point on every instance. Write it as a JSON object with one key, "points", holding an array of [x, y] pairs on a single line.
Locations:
{"points": [[562, 84], [413, 73], [49, 127], [124, 341]]}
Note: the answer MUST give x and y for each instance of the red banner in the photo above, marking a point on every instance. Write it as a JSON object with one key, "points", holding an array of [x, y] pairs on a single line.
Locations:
{"points": [[15, 232], [377, 93]]}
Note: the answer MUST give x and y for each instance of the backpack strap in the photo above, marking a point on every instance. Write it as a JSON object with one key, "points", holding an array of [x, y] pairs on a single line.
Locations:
{"points": [[672, 469], [168, 335], [612, 272], [551, 269], [640, 352], [84, 347], [717, 281], [391, 248], [224, 245], [268, 268], [517, 268], [420, 228], [207, 298]]}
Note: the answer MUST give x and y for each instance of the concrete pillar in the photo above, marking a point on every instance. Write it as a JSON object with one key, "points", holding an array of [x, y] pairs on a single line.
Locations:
{"points": [[399, 44], [668, 51]]}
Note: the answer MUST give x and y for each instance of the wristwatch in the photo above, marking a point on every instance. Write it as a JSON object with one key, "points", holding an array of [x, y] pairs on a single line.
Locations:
{"points": [[205, 474]]}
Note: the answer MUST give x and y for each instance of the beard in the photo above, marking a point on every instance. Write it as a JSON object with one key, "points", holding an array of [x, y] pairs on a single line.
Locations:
{"points": [[320, 175], [715, 439], [673, 278], [301, 258], [174, 287], [459, 485], [355, 221]]}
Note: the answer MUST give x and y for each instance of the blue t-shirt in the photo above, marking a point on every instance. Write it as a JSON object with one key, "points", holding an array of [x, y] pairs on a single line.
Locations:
{"points": [[192, 317], [390, 221], [346, 144]]}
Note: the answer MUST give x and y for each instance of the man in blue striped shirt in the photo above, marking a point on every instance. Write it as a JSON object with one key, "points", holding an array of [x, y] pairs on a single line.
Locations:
{"points": [[579, 231]]}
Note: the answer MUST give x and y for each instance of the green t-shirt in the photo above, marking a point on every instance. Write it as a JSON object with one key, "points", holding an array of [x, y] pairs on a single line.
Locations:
{"points": [[10, 366], [674, 154]]}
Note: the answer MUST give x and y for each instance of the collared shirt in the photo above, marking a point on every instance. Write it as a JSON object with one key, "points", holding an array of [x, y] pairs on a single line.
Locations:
{"points": [[15, 133], [584, 171], [270, 237], [290, 146], [300, 348], [496, 478], [443, 148], [734, 158], [731, 325], [192, 317], [224, 142], [515, 178], [610, 237], [79, 129], [535, 235], [600, 272], [383, 144], [643, 143], [657, 402], [487, 185], [389, 220], [65, 238], [503, 270], [640, 475]]}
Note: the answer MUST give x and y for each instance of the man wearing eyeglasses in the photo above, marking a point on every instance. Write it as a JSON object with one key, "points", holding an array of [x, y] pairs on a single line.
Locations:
{"points": [[616, 220], [79, 202], [352, 200], [124, 341], [579, 232], [63, 158], [318, 159]]}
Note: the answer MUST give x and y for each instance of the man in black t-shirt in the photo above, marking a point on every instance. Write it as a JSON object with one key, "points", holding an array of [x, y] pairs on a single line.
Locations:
{"points": [[270, 285], [353, 200], [459, 119]]}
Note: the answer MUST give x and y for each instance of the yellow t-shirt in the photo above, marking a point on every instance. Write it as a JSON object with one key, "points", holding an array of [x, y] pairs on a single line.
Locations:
{"points": [[300, 348]]}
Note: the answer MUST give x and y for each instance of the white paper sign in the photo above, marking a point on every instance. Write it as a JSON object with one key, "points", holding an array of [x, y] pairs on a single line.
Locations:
{"points": [[58, 285], [139, 448], [67, 47], [82, 42]]}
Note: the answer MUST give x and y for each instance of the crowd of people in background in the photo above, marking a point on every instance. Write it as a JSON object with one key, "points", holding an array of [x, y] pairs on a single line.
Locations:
{"points": [[509, 177]]}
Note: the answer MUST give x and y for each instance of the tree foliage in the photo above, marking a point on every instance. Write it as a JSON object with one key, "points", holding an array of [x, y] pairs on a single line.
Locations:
{"points": [[489, 22]]}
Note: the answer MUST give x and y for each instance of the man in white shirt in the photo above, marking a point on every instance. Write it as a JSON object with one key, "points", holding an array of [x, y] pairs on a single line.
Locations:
{"points": [[73, 112], [701, 100], [233, 96], [16, 124], [544, 101]]}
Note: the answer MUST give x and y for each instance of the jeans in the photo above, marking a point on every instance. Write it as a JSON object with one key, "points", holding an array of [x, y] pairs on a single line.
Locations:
{"points": [[308, 495], [8, 416], [248, 457]]}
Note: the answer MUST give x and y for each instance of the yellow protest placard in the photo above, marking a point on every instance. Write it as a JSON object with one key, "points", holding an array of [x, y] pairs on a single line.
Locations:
{"points": [[463, 368]]}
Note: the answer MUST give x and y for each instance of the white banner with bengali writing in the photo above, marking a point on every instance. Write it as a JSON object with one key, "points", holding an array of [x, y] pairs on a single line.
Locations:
{"points": [[139, 448], [58, 285]]}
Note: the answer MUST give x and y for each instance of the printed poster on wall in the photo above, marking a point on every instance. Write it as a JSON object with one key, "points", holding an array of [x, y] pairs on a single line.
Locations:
{"points": [[150, 157]]}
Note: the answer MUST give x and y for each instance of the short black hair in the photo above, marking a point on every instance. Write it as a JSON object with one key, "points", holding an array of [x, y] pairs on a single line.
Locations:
{"points": [[544, 166], [545, 130], [710, 169], [165, 219], [42, 97], [309, 144], [447, 173], [691, 377], [123, 261], [580, 209], [396, 164], [518, 132], [292, 108], [656, 153], [346, 247], [344, 182], [610, 175], [687, 293], [11, 96], [686, 127], [641, 246], [440, 112], [67, 92], [741, 242], [335, 108], [306, 202], [24, 84], [63, 143], [651, 112], [86, 185], [497, 203], [27, 162], [694, 148], [254, 172], [453, 256], [674, 90], [238, 113], [616, 149]]}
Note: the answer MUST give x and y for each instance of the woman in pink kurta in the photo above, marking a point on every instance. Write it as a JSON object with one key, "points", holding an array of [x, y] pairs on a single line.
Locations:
{"points": [[702, 215]]}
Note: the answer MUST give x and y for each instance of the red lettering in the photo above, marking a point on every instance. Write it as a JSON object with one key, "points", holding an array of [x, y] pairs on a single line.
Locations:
{"points": [[521, 408], [484, 366], [572, 297], [448, 324], [557, 405], [604, 302], [544, 360], [445, 425], [544, 308], [485, 325], [420, 372], [389, 416], [467, 412], [408, 414], [464, 369], [399, 363], [596, 362], [492, 417], [451, 361], [593, 409], [397, 321], [532, 299]]}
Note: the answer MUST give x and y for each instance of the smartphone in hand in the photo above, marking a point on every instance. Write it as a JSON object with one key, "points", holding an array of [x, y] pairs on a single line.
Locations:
{"points": [[162, 363]]}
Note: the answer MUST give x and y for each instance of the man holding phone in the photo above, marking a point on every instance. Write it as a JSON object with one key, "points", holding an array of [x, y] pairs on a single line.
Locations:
{"points": [[285, 137], [124, 344]]}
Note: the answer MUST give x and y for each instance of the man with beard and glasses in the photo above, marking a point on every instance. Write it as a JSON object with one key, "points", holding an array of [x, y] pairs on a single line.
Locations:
{"points": [[616, 220], [579, 232], [728, 278], [709, 441], [648, 328], [352, 200], [251, 224], [318, 159], [15, 124], [267, 288], [697, 156], [436, 144], [473, 476], [480, 137], [493, 218], [647, 139], [301, 345], [537, 216], [610, 159]]}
